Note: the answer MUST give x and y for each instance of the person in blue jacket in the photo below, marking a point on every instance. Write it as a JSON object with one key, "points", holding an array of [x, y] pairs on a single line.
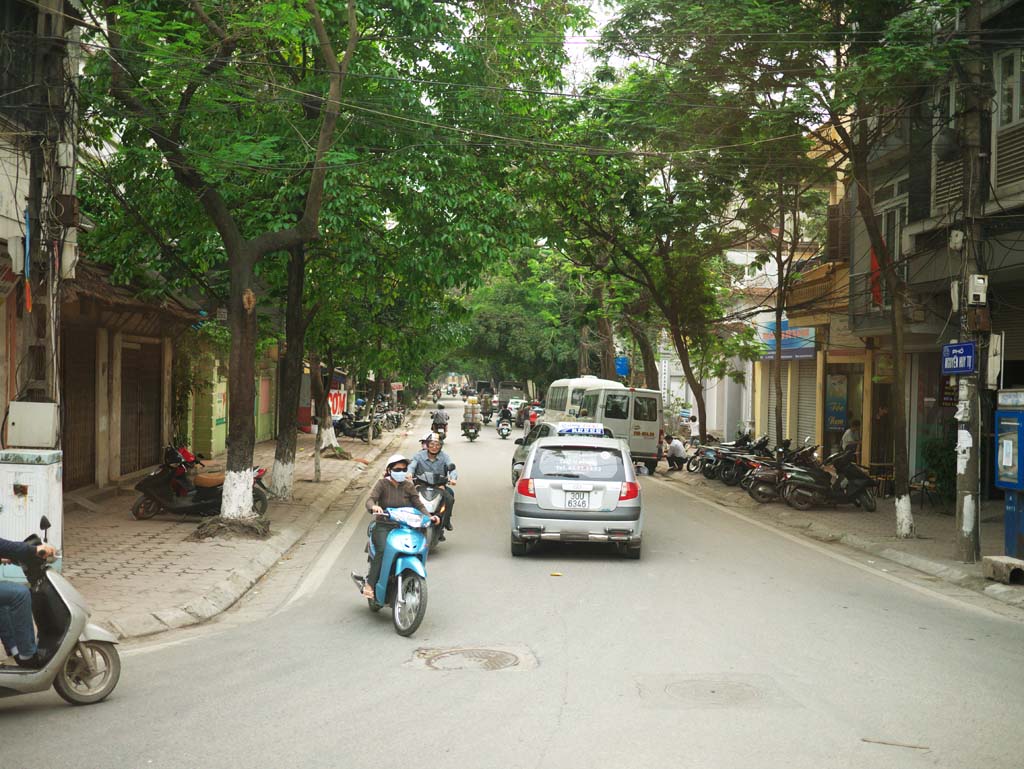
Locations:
{"points": [[16, 629]]}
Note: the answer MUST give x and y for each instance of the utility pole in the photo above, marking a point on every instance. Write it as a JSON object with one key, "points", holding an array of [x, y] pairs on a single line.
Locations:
{"points": [[974, 321]]}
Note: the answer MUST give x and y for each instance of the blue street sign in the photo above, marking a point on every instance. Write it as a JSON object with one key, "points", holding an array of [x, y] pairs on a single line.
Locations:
{"points": [[958, 358]]}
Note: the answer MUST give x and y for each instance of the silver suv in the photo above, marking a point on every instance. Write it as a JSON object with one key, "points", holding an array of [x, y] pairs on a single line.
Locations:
{"points": [[576, 488]]}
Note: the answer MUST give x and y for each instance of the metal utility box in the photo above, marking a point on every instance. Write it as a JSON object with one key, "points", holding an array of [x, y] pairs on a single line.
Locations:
{"points": [[1009, 466], [30, 487], [32, 425]]}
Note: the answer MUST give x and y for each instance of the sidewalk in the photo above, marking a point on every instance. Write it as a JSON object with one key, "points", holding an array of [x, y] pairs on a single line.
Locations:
{"points": [[145, 577], [932, 551]]}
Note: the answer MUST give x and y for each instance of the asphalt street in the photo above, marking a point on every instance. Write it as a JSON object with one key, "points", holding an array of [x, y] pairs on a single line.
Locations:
{"points": [[728, 645]]}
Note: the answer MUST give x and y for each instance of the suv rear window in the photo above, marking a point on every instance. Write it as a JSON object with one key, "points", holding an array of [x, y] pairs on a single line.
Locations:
{"points": [[596, 463]]}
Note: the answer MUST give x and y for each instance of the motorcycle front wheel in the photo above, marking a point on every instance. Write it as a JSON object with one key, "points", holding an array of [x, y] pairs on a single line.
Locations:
{"points": [[867, 500], [693, 463], [801, 499], [762, 492], [410, 604], [259, 501], [144, 508], [89, 674]]}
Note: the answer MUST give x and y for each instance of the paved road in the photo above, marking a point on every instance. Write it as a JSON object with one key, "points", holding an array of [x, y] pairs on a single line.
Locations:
{"points": [[727, 645]]}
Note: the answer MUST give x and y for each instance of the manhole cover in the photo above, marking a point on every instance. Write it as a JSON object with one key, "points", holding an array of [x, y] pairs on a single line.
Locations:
{"points": [[713, 693], [471, 659]]}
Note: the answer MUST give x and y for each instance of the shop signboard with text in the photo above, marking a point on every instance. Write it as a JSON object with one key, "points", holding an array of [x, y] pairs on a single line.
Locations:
{"points": [[835, 402], [797, 343]]}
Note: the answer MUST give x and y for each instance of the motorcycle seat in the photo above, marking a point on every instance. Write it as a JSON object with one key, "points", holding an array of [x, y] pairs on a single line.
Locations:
{"points": [[209, 480]]}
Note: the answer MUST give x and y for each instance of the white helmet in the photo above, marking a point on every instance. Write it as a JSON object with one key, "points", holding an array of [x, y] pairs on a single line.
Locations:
{"points": [[394, 459]]}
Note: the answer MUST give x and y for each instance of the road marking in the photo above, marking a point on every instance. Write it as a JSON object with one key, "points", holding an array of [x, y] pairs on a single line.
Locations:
{"points": [[961, 601]]}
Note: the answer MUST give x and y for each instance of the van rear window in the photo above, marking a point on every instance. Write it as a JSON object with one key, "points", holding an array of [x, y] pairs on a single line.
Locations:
{"points": [[645, 409], [616, 407], [592, 464]]}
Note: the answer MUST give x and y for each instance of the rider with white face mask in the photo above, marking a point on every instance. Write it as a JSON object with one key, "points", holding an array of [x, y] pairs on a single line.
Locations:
{"points": [[395, 489]]}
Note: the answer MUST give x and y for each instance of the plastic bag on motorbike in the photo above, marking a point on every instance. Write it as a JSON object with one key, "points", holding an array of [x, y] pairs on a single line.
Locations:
{"points": [[408, 516]]}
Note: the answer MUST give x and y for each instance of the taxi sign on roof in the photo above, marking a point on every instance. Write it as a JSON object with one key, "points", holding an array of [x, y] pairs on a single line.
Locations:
{"points": [[581, 428]]}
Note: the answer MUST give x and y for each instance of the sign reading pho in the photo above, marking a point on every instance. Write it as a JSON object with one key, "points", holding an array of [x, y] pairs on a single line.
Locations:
{"points": [[958, 358]]}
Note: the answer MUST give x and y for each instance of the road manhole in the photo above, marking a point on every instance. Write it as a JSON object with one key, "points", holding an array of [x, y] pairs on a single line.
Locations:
{"points": [[474, 658], [710, 694]]}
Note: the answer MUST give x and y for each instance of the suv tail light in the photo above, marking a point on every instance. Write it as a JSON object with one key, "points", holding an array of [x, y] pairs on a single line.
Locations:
{"points": [[525, 487], [629, 490]]}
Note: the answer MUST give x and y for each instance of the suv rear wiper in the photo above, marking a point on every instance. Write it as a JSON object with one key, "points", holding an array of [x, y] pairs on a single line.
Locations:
{"points": [[562, 475]]}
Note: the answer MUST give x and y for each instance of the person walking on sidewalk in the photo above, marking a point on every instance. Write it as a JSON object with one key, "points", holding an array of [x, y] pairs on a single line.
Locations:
{"points": [[393, 490], [16, 629]]}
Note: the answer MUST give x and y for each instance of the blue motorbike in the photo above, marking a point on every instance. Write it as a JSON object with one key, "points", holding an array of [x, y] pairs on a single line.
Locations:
{"points": [[403, 573]]}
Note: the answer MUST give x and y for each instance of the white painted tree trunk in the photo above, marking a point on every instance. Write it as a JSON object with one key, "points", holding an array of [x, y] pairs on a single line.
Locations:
{"points": [[329, 439], [282, 479], [904, 518], [237, 502]]}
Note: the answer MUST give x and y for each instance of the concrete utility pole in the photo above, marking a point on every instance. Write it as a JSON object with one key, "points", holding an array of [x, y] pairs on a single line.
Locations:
{"points": [[974, 323]]}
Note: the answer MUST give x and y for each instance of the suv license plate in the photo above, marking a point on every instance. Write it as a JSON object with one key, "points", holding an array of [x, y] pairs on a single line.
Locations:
{"points": [[577, 499]]}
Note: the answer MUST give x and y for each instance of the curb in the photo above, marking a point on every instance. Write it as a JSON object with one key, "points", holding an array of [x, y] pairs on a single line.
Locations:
{"points": [[228, 591], [1003, 593]]}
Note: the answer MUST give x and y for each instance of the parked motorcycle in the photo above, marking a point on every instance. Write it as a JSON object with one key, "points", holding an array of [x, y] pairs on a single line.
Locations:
{"points": [[505, 428], [766, 483], [347, 425], [403, 575], [80, 659], [735, 465], [174, 488], [807, 487]]}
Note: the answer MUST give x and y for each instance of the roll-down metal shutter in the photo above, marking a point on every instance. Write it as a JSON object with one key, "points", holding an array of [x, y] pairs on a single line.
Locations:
{"points": [[1012, 322], [806, 403], [773, 437]]}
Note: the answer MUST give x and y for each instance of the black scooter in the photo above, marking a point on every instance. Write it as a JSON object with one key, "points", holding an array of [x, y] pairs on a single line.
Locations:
{"points": [[171, 488], [806, 487]]}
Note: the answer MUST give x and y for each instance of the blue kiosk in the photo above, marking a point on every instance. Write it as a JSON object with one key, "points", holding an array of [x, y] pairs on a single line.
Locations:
{"points": [[1009, 469]]}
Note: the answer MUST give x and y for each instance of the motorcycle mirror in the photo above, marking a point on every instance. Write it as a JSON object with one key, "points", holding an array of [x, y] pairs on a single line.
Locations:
{"points": [[451, 466], [44, 523], [519, 441]]}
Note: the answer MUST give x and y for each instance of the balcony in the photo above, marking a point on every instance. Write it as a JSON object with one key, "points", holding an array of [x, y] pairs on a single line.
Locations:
{"points": [[821, 291]]}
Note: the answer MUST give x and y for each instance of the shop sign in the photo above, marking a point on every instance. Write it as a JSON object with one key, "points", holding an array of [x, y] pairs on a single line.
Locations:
{"points": [[397, 387], [796, 342], [948, 392], [958, 358], [835, 402]]}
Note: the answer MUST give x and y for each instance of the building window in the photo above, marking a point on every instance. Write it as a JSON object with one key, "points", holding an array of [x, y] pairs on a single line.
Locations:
{"points": [[1008, 88]]}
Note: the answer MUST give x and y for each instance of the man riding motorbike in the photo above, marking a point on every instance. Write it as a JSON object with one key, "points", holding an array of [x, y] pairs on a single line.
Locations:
{"points": [[16, 629], [393, 490], [431, 459], [505, 413], [440, 419]]}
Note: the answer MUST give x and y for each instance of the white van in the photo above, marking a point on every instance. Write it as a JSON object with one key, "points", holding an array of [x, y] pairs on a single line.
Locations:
{"points": [[562, 401], [631, 414]]}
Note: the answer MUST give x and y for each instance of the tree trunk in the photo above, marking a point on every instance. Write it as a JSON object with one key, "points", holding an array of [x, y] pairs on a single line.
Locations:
{"points": [[583, 359], [237, 499], [643, 343], [316, 392], [696, 387], [777, 372], [290, 387], [897, 290]]}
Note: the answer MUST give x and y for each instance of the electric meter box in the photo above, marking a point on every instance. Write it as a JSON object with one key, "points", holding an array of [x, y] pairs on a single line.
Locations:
{"points": [[32, 425], [30, 487], [977, 290], [1009, 466]]}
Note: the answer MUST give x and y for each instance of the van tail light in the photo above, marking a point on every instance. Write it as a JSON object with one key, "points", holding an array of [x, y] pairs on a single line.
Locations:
{"points": [[629, 490], [525, 487]]}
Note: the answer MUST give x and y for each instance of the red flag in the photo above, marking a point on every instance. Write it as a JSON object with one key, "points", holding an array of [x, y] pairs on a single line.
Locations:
{"points": [[876, 280]]}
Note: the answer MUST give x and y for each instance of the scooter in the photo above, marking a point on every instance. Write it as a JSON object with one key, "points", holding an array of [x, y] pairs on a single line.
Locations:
{"points": [[767, 482], [81, 659], [403, 574], [852, 484], [471, 430], [171, 488], [431, 487], [505, 428]]}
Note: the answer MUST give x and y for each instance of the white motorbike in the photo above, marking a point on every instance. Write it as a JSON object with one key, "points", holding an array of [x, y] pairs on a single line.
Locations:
{"points": [[82, 662], [504, 428]]}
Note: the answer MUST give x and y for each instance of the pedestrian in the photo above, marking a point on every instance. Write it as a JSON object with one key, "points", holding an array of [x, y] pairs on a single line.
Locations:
{"points": [[675, 453], [851, 437]]}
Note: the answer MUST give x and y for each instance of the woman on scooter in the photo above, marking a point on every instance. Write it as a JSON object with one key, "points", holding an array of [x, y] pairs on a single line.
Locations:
{"points": [[395, 489], [16, 629]]}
